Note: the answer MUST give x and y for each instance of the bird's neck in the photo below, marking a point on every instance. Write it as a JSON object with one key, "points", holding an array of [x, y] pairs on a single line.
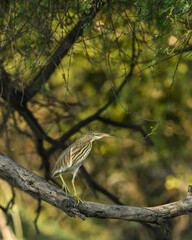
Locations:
{"points": [[88, 142]]}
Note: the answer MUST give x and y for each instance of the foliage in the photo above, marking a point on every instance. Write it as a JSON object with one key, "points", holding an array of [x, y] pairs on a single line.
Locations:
{"points": [[65, 60]]}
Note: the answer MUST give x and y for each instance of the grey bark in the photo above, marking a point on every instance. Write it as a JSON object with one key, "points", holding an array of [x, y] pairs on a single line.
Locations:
{"points": [[39, 188]]}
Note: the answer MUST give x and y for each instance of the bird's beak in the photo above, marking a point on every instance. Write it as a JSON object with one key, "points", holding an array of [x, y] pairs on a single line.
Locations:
{"points": [[105, 135]]}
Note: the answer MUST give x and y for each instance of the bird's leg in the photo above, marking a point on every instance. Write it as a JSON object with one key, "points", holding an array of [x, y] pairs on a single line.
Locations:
{"points": [[64, 185], [75, 193], [74, 189]]}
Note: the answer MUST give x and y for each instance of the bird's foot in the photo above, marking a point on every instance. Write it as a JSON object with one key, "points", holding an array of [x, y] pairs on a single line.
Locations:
{"points": [[66, 189], [78, 199]]}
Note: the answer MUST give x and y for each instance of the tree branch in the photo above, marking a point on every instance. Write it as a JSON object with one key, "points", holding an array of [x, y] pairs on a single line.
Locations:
{"points": [[62, 50], [95, 186], [6, 230], [96, 115], [18, 101], [127, 125], [39, 188]]}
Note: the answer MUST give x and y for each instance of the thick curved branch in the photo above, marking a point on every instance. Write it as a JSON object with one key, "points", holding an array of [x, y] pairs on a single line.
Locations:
{"points": [[39, 188]]}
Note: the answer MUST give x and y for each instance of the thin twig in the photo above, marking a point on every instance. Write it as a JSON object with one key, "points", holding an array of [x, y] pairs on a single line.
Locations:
{"points": [[38, 210], [98, 187]]}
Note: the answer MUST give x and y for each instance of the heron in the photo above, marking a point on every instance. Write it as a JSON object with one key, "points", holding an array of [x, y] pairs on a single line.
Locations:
{"points": [[73, 157]]}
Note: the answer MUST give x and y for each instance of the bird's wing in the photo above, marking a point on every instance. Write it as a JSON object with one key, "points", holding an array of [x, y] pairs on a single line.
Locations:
{"points": [[71, 158], [63, 162], [79, 152]]}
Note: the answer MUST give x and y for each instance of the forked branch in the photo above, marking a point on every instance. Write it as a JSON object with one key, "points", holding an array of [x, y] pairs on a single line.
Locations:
{"points": [[39, 188]]}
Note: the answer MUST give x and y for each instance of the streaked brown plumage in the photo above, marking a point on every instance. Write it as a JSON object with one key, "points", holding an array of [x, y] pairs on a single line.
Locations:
{"points": [[73, 157]]}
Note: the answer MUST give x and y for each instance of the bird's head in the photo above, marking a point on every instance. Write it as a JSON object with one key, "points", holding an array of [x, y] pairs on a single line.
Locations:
{"points": [[91, 135]]}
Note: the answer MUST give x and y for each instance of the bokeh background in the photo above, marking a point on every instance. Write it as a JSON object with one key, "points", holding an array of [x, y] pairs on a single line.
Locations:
{"points": [[134, 55]]}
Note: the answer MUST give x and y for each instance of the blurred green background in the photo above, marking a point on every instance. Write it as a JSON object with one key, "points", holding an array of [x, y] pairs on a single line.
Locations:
{"points": [[155, 36]]}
